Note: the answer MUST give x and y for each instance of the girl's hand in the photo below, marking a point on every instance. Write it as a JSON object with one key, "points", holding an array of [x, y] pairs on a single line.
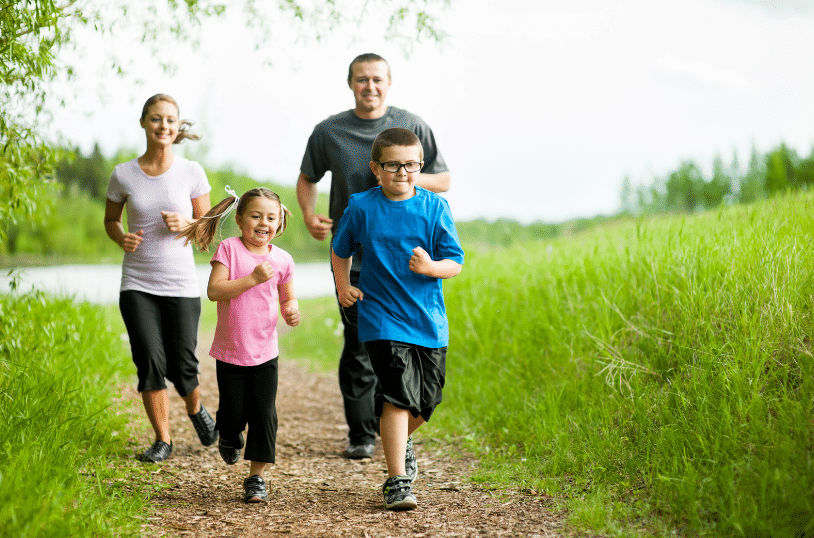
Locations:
{"points": [[348, 296], [132, 241], [263, 272], [291, 314], [175, 222], [420, 261]]}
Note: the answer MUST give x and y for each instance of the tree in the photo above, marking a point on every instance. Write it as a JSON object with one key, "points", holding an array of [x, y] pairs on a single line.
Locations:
{"points": [[714, 190], [34, 32], [780, 170], [684, 187]]}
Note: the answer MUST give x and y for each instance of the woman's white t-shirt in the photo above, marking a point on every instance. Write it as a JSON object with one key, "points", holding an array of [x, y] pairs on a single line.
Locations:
{"points": [[161, 265]]}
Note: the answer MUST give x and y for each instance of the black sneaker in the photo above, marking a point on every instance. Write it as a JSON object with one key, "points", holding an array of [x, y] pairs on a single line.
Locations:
{"points": [[410, 463], [254, 490], [397, 493], [156, 453], [204, 427], [358, 452], [229, 453]]}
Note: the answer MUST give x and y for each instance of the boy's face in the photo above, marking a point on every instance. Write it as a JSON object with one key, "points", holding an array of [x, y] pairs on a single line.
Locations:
{"points": [[399, 185]]}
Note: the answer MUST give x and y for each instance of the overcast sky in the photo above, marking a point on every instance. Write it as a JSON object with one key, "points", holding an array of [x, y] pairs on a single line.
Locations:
{"points": [[540, 108]]}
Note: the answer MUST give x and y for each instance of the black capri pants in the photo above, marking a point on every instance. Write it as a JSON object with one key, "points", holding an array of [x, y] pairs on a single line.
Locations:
{"points": [[163, 335], [248, 395]]}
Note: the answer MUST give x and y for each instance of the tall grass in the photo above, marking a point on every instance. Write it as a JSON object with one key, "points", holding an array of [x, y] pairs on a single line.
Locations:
{"points": [[657, 373], [61, 428]]}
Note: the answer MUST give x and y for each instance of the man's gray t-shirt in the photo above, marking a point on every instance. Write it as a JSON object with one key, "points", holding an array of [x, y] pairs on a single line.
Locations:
{"points": [[341, 144]]}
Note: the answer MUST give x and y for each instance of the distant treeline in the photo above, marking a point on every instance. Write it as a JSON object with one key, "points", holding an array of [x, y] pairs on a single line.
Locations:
{"points": [[686, 189], [73, 230]]}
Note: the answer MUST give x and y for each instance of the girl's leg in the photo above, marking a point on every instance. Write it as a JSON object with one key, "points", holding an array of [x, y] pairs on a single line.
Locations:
{"points": [[156, 403], [395, 427]]}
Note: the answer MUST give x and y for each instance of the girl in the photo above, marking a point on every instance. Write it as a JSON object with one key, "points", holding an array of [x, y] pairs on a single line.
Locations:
{"points": [[160, 300], [249, 277]]}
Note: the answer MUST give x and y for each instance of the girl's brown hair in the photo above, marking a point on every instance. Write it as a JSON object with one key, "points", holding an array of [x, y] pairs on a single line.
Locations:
{"points": [[183, 129], [201, 232]]}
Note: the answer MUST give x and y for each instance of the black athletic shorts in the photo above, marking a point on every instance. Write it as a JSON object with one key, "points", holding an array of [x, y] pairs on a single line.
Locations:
{"points": [[410, 377], [163, 335]]}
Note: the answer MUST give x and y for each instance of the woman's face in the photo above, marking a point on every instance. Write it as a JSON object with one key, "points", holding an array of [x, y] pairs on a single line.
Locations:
{"points": [[161, 123]]}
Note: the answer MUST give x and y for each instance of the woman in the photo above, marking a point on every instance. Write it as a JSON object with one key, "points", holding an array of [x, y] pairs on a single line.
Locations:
{"points": [[160, 298]]}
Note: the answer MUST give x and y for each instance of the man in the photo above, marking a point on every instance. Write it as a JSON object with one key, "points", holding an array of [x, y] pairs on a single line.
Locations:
{"points": [[341, 145]]}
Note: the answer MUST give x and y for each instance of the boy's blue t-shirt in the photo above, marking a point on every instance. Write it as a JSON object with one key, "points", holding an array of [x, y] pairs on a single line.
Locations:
{"points": [[399, 304]]}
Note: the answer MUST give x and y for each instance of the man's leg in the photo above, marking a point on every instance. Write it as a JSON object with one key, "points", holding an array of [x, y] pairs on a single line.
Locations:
{"points": [[357, 381]]}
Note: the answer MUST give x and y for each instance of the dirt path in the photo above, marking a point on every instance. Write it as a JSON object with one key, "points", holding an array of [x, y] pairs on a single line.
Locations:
{"points": [[313, 491]]}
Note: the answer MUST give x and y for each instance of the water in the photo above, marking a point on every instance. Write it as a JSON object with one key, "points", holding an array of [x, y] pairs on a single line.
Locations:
{"points": [[100, 283]]}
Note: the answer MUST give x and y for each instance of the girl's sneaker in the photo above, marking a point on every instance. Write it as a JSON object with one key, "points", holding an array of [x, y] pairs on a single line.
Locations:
{"points": [[204, 427], [397, 493], [228, 452], [254, 490]]}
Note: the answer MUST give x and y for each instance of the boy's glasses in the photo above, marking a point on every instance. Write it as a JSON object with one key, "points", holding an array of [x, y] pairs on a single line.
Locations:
{"points": [[394, 167]]}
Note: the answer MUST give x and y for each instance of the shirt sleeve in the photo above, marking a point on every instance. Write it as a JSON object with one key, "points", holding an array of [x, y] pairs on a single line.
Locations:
{"points": [[115, 189], [315, 160], [434, 162], [344, 243], [287, 274], [200, 184], [222, 255], [447, 245]]}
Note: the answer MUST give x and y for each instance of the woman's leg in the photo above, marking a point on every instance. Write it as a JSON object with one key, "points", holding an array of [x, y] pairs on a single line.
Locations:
{"points": [[156, 403]]}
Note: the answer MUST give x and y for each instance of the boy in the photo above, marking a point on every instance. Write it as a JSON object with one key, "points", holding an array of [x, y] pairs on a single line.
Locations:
{"points": [[410, 245]]}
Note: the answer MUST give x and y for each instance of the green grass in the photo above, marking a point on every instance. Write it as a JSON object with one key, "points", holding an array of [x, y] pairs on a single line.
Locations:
{"points": [[656, 374], [64, 427]]}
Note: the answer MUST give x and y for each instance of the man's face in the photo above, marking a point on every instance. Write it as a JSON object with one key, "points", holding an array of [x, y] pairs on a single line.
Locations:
{"points": [[370, 82]]}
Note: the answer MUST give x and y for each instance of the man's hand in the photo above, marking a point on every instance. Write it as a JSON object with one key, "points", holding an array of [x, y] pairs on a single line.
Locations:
{"points": [[131, 241], [348, 296], [319, 226], [263, 272]]}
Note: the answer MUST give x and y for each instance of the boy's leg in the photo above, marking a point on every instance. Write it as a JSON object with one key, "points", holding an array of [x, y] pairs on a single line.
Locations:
{"points": [[394, 432], [397, 425]]}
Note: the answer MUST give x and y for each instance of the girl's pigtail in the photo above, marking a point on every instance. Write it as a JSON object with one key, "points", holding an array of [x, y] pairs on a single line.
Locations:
{"points": [[284, 218], [201, 232]]}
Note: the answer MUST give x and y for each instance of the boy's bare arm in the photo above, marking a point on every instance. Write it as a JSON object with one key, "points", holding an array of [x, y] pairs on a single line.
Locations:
{"points": [[347, 294], [423, 264]]}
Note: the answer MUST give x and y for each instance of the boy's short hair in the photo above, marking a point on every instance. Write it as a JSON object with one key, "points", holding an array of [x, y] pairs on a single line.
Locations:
{"points": [[395, 136]]}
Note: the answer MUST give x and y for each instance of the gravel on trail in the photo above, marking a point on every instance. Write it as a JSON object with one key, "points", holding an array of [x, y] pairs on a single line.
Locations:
{"points": [[314, 491]]}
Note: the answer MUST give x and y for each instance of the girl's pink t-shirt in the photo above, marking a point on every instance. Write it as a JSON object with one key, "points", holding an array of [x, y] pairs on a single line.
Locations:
{"points": [[246, 333]]}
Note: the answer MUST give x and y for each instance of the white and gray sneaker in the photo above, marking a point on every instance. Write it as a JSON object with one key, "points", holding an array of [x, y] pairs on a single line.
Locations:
{"points": [[410, 463], [397, 493]]}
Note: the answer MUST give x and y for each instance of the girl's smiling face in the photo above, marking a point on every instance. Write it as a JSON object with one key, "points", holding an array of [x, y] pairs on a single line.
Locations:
{"points": [[259, 223]]}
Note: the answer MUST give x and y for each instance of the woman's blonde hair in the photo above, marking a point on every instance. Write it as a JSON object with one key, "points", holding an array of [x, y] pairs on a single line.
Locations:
{"points": [[183, 129], [202, 231]]}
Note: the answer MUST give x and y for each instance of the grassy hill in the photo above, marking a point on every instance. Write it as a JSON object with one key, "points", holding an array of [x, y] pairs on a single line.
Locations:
{"points": [[656, 372]]}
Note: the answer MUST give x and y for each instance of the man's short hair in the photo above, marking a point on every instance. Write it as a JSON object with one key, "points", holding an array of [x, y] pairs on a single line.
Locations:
{"points": [[365, 58], [395, 136]]}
